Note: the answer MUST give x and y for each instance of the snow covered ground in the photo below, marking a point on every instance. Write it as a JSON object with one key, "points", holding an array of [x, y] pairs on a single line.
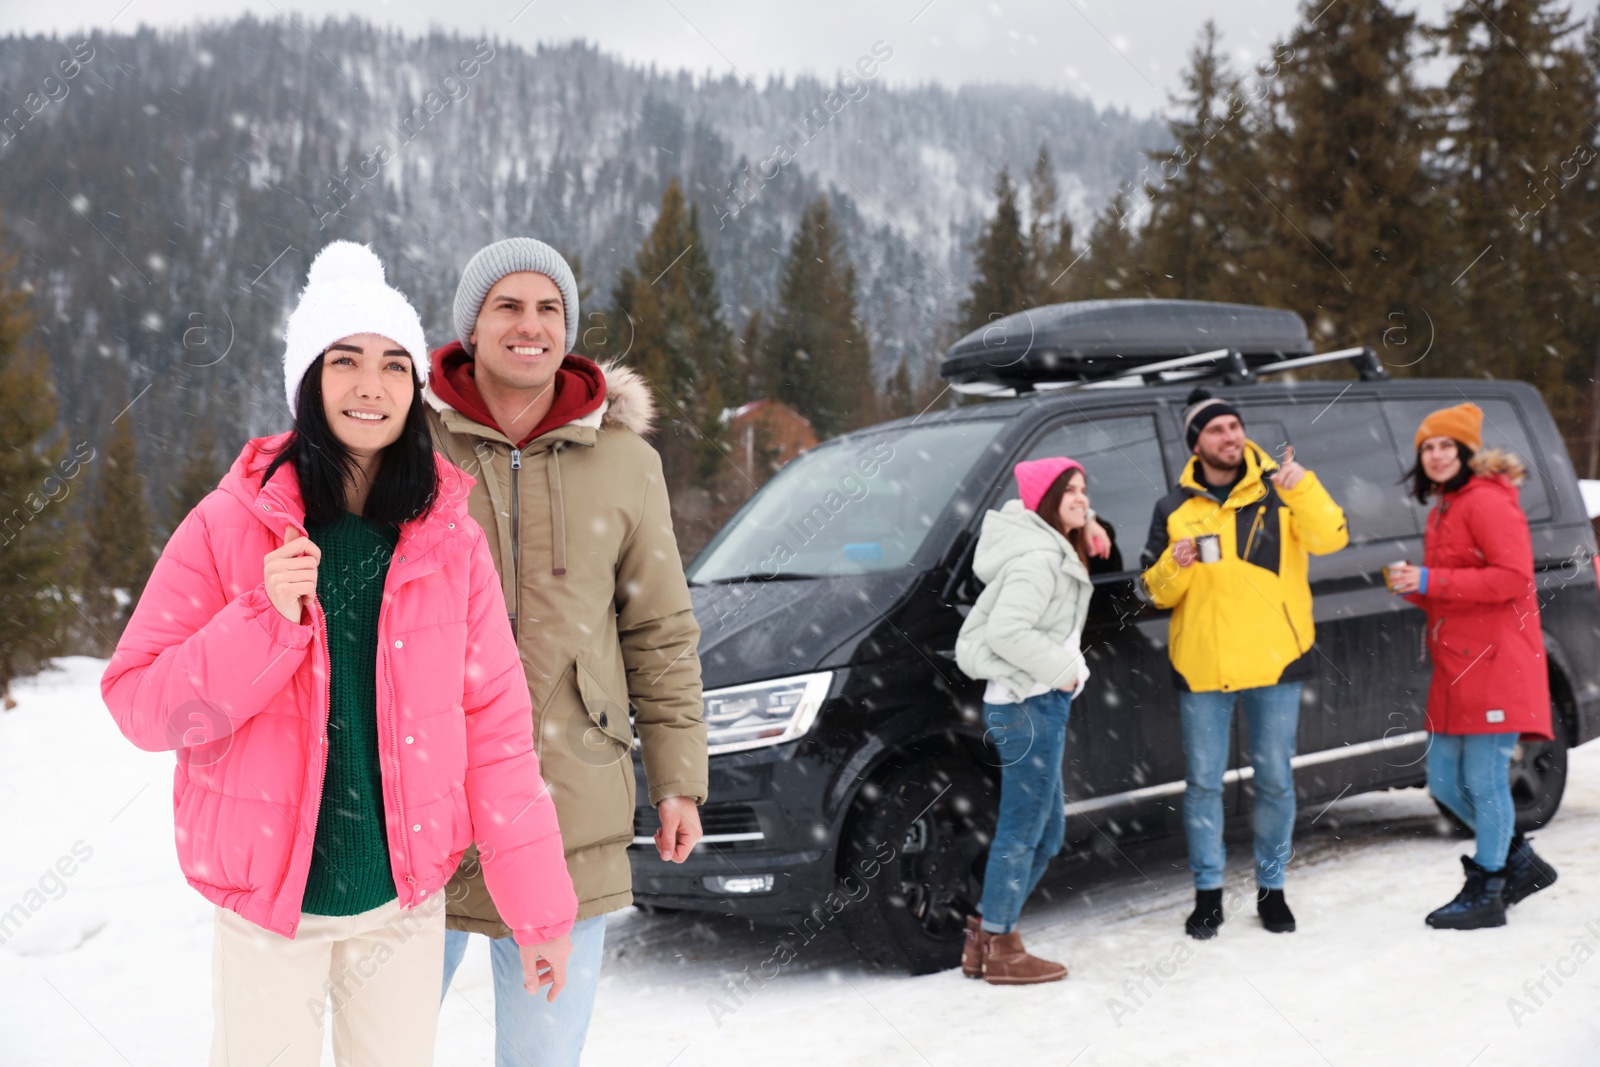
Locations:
{"points": [[109, 961]]}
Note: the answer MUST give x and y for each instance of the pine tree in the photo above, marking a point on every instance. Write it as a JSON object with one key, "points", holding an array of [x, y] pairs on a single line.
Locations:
{"points": [[1004, 279], [1522, 103], [120, 551], [1583, 251], [750, 341], [591, 321], [816, 354], [899, 395], [1353, 225], [202, 471], [1050, 237], [1112, 267], [1206, 225], [36, 538], [666, 322]]}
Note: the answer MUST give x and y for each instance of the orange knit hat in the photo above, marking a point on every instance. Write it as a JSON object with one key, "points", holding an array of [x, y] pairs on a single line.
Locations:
{"points": [[1464, 423]]}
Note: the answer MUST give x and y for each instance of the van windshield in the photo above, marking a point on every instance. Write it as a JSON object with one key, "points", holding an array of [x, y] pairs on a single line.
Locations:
{"points": [[856, 505]]}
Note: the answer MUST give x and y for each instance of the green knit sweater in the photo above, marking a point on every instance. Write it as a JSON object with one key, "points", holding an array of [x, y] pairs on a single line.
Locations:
{"points": [[350, 870]]}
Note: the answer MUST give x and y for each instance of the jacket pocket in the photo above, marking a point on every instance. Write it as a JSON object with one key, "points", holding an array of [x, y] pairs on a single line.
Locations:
{"points": [[1462, 648], [206, 853], [1470, 636], [610, 717], [589, 766]]}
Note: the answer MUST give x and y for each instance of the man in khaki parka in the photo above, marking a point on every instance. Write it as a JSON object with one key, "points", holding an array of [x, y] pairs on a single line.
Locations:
{"points": [[575, 509]]}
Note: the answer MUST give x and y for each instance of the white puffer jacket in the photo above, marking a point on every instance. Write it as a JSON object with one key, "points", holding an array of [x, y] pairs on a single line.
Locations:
{"points": [[1036, 598]]}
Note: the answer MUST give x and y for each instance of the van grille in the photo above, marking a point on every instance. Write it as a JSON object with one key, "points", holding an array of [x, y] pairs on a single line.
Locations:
{"points": [[716, 821]]}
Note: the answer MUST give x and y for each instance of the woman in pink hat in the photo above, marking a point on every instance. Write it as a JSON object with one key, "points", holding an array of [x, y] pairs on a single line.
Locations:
{"points": [[1023, 638]]}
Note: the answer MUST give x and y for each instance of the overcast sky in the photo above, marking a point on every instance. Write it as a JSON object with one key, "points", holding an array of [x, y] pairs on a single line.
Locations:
{"points": [[1126, 53]]}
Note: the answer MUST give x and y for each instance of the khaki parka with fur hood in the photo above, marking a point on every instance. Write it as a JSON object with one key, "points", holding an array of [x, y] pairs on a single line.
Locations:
{"points": [[582, 537]]}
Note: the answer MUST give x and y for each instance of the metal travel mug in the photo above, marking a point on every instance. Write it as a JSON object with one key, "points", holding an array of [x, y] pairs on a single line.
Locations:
{"points": [[1209, 547], [1388, 568]]}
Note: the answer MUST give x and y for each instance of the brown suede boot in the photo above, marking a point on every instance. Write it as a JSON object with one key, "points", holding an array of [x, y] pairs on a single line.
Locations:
{"points": [[972, 950], [1006, 962]]}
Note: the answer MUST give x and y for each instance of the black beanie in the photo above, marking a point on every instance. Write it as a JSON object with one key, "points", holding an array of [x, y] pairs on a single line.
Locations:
{"points": [[1201, 408]]}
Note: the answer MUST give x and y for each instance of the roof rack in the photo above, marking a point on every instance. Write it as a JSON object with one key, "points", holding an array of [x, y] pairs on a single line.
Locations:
{"points": [[1087, 339], [1107, 343], [1228, 364]]}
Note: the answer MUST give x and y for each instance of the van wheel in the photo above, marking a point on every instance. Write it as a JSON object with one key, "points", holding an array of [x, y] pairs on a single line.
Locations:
{"points": [[1539, 777], [1538, 780], [918, 843]]}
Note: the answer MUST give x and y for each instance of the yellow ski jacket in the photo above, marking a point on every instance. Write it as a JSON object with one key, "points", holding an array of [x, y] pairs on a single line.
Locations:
{"points": [[1244, 621]]}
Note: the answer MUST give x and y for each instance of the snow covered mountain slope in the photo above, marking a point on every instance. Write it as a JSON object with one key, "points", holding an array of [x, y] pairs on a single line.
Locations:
{"points": [[166, 200]]}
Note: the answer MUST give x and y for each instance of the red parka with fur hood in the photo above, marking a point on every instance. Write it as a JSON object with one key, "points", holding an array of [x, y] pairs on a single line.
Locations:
{"points": [[1489, 669]]}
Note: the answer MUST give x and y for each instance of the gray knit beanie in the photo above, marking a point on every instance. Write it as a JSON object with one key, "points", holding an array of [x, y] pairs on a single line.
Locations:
{"points": [[507, 257]]}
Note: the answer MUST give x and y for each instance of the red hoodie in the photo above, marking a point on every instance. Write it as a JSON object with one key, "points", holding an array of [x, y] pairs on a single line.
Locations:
{"points": [[580, 390]]}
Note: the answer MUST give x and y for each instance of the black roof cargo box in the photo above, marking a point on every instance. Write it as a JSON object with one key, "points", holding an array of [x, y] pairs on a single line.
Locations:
{"points": [[1101, 338]]}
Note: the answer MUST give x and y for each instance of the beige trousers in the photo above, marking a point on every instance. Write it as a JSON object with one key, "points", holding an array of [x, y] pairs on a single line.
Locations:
{"points": [[381, 970]]}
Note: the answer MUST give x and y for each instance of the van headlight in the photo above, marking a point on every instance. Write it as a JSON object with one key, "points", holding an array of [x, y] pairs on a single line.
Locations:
{"points": [[763, 713]]}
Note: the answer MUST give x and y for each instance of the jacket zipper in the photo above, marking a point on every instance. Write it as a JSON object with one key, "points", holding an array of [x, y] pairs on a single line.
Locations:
{"points": [[327, 690], [1250, 540], [516, 552], [1292, 628]]}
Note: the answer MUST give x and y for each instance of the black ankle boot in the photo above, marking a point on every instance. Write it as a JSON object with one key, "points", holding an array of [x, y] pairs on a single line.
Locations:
{"points": [[1274, 911], [1526, 871], [1481, 902], [1202, 923]]}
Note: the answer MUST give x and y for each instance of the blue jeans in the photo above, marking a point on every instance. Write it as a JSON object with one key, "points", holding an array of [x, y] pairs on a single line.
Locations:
{"points": [[1273, 712], [1470, 775], [1030, 738], [528, 1030]]}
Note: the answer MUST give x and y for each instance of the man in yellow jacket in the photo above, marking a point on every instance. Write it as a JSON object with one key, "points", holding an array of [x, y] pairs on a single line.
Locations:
{"points": [[1227, 552]]}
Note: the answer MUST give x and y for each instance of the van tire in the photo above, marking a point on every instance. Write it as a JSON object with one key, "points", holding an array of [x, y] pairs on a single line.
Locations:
{"points": [[1538, 780], [917, 841]]}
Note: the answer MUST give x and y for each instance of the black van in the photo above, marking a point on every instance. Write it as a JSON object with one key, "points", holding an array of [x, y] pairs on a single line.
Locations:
{"points": [[850, 778]]}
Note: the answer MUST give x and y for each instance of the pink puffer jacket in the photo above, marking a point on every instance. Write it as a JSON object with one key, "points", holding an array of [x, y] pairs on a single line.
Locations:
{"points": [[207, 666]]}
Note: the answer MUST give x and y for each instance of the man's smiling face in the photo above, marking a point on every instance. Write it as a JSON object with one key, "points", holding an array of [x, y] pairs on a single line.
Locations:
{"points": [[520, 337]]}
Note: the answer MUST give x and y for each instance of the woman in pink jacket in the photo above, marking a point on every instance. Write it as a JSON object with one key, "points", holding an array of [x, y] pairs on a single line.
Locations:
{"points": [[325, 644], [1491, 683]]}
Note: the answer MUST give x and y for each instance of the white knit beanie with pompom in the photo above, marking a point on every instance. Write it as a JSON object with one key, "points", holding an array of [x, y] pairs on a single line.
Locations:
{"points": [[345, 294]]}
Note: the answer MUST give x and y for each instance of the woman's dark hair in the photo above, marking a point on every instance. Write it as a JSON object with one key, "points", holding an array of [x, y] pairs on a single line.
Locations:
{"points": [[1424, 488], [407, 481], [1050, 511]]}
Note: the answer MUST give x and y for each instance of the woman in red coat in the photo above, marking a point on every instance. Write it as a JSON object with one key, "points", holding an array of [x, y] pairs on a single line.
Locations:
{"points": [[1490, 683]]}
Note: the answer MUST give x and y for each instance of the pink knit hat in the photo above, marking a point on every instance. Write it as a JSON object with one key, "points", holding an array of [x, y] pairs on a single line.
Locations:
{"points": [[1036, 475]]}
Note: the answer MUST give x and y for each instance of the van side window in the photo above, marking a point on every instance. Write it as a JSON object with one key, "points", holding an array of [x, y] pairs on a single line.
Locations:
{"points": [[1502, 428], [1122, 457], [1347, 443]]}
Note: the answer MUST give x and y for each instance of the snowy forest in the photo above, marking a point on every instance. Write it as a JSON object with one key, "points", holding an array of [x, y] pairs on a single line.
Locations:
{"points": [[1425, 189]]}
